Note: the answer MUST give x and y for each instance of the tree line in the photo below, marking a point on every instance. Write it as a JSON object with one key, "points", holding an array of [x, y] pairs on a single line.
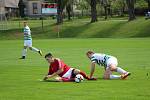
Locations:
{"points": [[92, 4]]}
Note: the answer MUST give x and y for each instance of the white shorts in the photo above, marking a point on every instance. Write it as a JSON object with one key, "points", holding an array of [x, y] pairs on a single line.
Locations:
{"points": [[112, 60], [28, 43], [68, 74]]}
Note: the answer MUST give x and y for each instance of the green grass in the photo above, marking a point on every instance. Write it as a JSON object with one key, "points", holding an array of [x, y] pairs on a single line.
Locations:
{"points": [[19, 78], [81, 28]]}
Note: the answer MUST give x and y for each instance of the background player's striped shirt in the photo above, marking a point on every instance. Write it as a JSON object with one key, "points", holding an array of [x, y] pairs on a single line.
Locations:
{"points": [[27, 33], [100, 59]]}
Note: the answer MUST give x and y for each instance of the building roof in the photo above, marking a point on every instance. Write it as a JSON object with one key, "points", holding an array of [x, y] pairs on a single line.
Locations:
{"points": [[10, 3]]}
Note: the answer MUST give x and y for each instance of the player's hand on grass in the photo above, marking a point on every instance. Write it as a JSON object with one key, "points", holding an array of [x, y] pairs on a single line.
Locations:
{"points": [[92, 78], [45, 78], [48, 76]]}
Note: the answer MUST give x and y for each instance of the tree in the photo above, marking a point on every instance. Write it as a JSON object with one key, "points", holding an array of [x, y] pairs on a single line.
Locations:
{"points": [[84, 6], [61, 4], [60, 7], [59, 12], [130, 4], [148, 1], [69, 8], [21, 8], [107, 7], [93, 4], [119, 6]]}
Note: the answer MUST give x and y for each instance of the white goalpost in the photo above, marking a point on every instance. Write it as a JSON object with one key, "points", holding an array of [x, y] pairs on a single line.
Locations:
{"points": [[3, 19]]}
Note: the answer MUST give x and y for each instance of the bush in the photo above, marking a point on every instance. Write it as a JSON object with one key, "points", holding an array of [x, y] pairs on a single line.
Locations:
{"points": [[15, 19], [43, 18], [26, 18]]}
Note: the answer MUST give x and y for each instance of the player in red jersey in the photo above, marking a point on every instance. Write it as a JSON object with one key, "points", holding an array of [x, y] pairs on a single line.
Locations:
{"points": [[58, 67]]}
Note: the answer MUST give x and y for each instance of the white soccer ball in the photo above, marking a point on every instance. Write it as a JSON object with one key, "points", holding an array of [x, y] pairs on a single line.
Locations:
{"points": [[79, 78]]}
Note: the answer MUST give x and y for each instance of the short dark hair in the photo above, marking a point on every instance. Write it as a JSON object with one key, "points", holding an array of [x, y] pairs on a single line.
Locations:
{"points": [[25, 22], [89, 52], [48, 55]]}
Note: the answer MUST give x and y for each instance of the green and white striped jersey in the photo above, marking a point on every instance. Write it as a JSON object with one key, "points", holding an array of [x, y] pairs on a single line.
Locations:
{"points": [[100, 59], [27, 33]]}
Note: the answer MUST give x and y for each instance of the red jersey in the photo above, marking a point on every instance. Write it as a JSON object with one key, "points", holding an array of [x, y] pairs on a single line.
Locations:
{"points": [[56, 65]]}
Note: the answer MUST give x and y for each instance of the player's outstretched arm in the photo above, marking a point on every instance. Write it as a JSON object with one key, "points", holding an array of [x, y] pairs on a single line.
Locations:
{"points": [[54, 74], [45, 78], [92, 69]]}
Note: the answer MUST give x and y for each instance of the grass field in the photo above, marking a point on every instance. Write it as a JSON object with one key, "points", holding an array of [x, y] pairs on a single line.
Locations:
{"points": [[81, 28], [19, 78]]}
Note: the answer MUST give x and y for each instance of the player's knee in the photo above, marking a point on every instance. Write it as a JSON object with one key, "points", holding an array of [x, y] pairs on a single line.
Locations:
{"points": [[25, 47], [113, 68], [59, 79], [106, 77], [76, 71], [30, 48]]}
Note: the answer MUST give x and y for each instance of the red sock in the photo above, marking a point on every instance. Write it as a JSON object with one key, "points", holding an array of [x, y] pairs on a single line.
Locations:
{"points": [[67, 80], [84, 75]]}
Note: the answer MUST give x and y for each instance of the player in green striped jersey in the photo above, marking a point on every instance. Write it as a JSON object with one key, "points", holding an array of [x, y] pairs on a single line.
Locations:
{"points": [[28, 42], [110, 64]]}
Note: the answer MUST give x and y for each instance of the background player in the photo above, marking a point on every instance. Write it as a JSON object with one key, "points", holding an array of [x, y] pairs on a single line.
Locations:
{"points": [[58, 67], [28, 42], [110, 64]]}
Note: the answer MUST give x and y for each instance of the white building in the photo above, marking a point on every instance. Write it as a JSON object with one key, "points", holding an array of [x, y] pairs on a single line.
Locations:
{"points": [[9, 8], [32, 7]]}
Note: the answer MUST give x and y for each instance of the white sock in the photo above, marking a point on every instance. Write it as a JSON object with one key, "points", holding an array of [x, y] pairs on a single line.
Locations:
{"points": [[24, 52], [121, 71], [115, 76], [35, 49]]}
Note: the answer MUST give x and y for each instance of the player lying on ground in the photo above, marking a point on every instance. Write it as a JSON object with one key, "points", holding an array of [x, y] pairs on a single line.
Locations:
{"points": [[28, 42], [110, 64], [65, 73]]}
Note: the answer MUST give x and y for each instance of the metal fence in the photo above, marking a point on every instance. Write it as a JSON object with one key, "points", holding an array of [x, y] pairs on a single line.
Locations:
{"points": [[10, 25]]}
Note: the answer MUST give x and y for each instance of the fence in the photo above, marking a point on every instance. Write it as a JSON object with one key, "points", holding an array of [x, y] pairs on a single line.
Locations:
{"points": [[10, 25]]}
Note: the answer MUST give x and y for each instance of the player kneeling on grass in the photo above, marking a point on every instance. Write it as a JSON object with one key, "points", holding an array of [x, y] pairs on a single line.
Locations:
{"points": [[28, 42], [58, 67], [110, 64]]}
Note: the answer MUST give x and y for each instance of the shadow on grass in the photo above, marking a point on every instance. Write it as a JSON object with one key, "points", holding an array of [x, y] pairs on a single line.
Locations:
{"points": [[85, 81], [143, 32], [74, 31], [17, 33], [109, 32], [85, 30], [49, 81]]}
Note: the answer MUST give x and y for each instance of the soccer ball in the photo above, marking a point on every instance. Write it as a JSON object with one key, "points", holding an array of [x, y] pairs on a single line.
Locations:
{"points": [[79, 78]]}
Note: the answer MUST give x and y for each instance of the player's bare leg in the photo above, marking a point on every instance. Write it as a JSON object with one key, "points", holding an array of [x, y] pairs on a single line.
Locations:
{"points": [[36, 50], [24, 52], [61, 79], [108, 73], [77, 71], [124, 74]]}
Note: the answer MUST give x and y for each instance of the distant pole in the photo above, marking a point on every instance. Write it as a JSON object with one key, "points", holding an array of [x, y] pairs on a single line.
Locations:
{"points": [[1, 15], [58, 27], [19, 22], [42, 23], [58, 31]]}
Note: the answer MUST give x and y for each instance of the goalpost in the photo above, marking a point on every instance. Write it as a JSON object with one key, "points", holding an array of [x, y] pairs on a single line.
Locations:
{"points": [[3, 19]]}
